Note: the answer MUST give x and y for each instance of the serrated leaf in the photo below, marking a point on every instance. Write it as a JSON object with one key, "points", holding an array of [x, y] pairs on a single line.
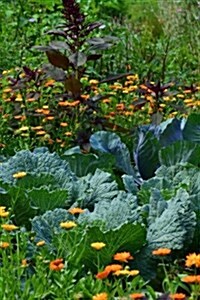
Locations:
{"points": [[123, 208], [174, 227], [48, 224]]}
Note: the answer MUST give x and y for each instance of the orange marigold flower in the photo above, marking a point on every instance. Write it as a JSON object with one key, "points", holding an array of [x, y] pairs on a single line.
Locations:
{"points": [[161, 251], [4, 245], [50, 82], [123, 256], [40, 243], [76, 210], [98, 245], [136, 296], [9, 227], [101, 296], [56, 265], [189, 279], [102, 275], [178, 296], [68, 225], [193, 259], [19, 175], [113, 268]]}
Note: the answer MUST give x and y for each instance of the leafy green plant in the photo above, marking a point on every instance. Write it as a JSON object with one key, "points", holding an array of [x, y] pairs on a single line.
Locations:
{"points": [[76, 32]]}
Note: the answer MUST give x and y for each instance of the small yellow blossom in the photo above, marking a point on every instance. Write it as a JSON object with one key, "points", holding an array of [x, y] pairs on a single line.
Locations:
{"points": [[19, 175], [101, 296], [4, 245], [126, 272], [40, 243], [3, 213], [9, 227], [68, 224], [98, 245]]}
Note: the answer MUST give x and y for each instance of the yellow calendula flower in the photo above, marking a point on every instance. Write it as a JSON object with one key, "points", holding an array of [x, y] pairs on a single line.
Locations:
{"points": [[98, 245], [19, 175], [3, 213], [101, 296], [126, 272], [4, 245], [9, 227], [68, 224], [40, 243]]}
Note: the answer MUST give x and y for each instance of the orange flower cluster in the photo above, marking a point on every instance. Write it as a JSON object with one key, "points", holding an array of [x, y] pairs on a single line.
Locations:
{"points": [[56, 265], [193, 260], [108, 269]]}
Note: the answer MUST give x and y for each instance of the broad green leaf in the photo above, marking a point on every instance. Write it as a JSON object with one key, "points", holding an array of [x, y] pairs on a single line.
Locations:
{"points": [[191, 131], [180, 152], [128, 237], [43, 199], [146, 154]]}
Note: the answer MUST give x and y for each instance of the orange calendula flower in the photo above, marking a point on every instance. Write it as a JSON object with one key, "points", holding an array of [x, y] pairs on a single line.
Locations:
{"points": [[123, 256], [101, 296], [113, 268], [178, 296], [98, 245], [102, 275], [40, 243], [68, 225], [136, 296], [4, 245], [161, 251], [9, 227], [191, 279], [50, 82], [193, 260], [56, 265], [19, 175], [76, 210]]}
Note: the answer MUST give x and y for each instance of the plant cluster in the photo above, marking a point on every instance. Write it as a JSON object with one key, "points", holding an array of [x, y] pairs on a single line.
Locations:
{"points": [[99, 177]]}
